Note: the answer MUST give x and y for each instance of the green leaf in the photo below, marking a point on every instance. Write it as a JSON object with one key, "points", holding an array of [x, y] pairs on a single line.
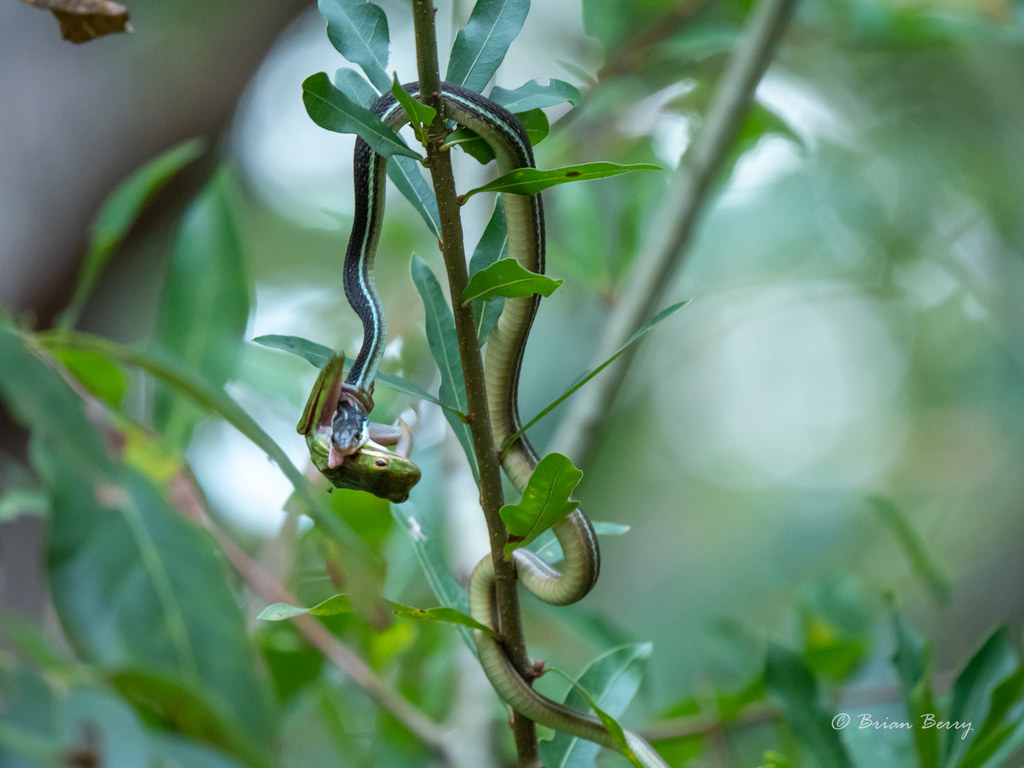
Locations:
{"points": [[534, 122], [584, 378], [133, 583], [98, 375], [359, 32], [610, 723], [405, 172], [329, 607], [913, 661], [974, 688], [921, 560], [427, 539], [507, 278], [612, 679], [481, 45], [546, 546], [994, 732], [318, 355], [444, 614], [331, 109], [492, 246], [204, 307], [776, 760], [533, 95], [189, 708], [787, 679], [444, 346], [545, 501], [119, 212], [419, 114], [355, 86], [530, 181]]}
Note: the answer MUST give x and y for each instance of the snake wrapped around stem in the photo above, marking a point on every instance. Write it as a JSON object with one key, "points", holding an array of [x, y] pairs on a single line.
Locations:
{"points": [[524, 215]]}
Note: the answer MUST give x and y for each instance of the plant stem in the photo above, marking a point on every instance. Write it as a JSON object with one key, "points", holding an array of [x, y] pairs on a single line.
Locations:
{"points": [[453, 249], [673, 225]]}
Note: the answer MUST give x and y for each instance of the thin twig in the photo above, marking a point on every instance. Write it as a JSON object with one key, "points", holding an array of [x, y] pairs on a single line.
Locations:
{"points": [[673, 225], [453, 249]]}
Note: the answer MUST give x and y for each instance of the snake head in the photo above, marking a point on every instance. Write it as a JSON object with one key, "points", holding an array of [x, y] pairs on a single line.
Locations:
{"points": [[336, 417]]}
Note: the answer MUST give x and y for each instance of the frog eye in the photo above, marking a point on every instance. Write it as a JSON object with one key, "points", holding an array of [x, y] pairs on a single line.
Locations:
{"points": [[380, 463]]}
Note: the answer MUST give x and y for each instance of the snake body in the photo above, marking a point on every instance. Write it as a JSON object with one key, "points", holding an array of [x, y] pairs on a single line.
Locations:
{"points": [[524, 215]]}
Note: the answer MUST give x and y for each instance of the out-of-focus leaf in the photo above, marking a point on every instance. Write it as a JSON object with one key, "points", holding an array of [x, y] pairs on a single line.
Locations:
{"points": [[291, 660], [330, 607], [315, 732], [359, 32], [535, 123], [98, 375], [533, 95], [921, 560], [774, 759], [419, 114], [429, 548], [612, 681], [443, 614], [167, 749], [205, 304], [507, 278], [995, 731], [547, 547], [444, 346], [913, 661], [828, 653], [787, 679], [331, 109], [530, 181], [404, 172], [974, 688], [192, 710], [318, 355], [85, 20], [481, 45], [119, 212], [584, 378], [16, 503], [545, 501], [492, 246]]}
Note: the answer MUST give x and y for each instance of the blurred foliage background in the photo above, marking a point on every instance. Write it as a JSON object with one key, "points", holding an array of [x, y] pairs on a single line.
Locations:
{"points": [[833, 427]]}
